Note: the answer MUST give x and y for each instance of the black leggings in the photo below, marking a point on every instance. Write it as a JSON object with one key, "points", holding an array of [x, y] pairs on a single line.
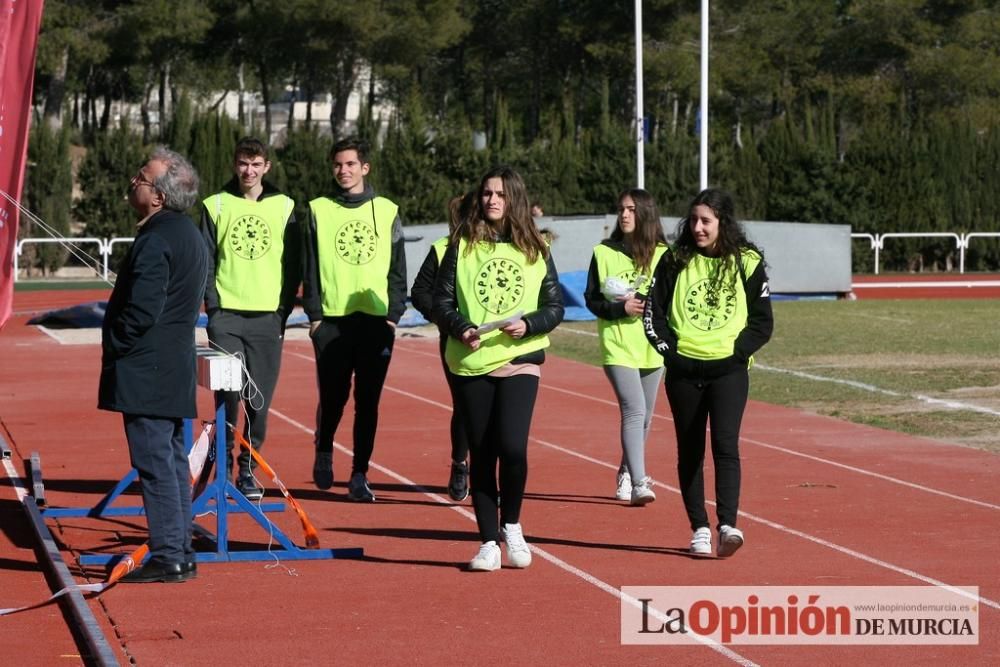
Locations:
{"points": [[459, 440], [359, 346], [694, 403], [497, 416]]}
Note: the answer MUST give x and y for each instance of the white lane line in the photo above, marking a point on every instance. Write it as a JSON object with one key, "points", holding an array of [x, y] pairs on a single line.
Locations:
{"points": [[51, 334], [753, 517], [581, 332], [15, 480], [951, 405], [798, 533], [862, 471], [883, 318], [767, 522], [929, 283], [555, 560], [588, 396], [843, 466]]}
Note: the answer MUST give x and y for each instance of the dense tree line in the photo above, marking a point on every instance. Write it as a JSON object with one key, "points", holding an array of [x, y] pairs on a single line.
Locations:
{"points": [[881, 114]]}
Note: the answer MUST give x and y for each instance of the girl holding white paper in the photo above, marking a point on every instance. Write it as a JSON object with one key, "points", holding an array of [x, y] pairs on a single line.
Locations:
{"points": [[496, 265], [619, 276]]}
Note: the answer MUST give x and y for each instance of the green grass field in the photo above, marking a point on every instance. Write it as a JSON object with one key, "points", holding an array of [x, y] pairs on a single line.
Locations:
{"points": [[924, 367], [47, 284]]}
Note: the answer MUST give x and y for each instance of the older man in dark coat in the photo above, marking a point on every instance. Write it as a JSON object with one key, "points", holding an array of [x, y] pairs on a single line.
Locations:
{"points": [[148, 369]]}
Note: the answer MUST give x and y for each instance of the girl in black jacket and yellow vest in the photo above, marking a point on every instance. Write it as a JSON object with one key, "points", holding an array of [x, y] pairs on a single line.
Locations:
{"points": [[497, 295], [708, 311]]}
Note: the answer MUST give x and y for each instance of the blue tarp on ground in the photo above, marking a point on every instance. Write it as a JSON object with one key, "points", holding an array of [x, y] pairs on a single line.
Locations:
{"points": [[80, 316], [574, 283], [89, 315]]}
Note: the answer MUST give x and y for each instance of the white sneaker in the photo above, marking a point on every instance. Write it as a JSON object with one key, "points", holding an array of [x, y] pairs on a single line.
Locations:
{"points": [[701, 542], [624, 486], [730, 540], [488, 558], [518, 553], [642, 493]]}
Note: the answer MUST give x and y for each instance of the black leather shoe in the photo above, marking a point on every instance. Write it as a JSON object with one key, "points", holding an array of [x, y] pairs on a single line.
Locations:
{"points": [[190, 567], [155, 570]]}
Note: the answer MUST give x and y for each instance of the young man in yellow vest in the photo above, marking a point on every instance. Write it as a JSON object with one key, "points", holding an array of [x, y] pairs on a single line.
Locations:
{"points": [[354, 292], [254, 271]]}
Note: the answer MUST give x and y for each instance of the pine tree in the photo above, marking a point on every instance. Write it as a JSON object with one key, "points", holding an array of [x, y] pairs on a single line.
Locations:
{"points": [[112, 159], [48, 194]]}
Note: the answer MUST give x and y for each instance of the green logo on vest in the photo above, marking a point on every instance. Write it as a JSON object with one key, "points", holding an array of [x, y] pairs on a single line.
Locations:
{"points": [[500, 285], [708, 309], [250, 237], [628, 277], [356, 242]]}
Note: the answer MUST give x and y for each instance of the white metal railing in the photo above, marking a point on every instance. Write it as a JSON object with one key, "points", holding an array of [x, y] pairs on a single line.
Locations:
{"points": [[19, 248], [104, 248], [107, 249], [969, 237], [877, 242]]}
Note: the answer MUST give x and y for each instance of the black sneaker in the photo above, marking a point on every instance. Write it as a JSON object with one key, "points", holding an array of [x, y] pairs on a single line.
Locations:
{"points": [[323, 470], [358, 489], [458, 482], [249, 487]]}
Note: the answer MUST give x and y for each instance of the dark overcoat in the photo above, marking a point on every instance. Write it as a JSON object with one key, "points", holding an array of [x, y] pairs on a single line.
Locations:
{"points": [[148, 365]]}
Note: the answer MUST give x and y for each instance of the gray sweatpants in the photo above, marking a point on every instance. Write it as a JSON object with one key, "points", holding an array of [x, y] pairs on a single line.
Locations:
{"points": [[257, 338], [636, 389]]}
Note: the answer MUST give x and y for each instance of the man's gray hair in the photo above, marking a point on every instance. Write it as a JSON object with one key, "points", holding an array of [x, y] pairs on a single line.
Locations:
{"points": [[179, 183]]}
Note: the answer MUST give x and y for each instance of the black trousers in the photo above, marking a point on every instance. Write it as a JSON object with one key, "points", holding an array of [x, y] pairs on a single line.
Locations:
{"points": [[497, 415], [156, 449], [355, 346], [257, 338], [719, 402], [459, 439]]}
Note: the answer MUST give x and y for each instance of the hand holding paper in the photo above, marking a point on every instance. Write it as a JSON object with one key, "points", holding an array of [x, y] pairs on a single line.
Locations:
{"points": [[487, 327], [471, 338], [516, 329]]}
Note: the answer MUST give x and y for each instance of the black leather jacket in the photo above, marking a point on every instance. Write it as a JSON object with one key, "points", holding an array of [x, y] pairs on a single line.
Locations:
{"points": [[656, 322], [541, 321]]}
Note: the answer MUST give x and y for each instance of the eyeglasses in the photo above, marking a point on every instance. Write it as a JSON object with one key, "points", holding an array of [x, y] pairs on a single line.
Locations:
{"points": [[140, 179]]}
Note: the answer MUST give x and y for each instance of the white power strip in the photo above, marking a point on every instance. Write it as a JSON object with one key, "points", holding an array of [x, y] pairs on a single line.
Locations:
{"points": [[218, 371]]}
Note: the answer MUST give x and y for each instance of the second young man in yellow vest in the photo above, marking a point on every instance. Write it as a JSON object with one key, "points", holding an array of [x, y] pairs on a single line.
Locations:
{"points": [[354, 292], [253, 274]]}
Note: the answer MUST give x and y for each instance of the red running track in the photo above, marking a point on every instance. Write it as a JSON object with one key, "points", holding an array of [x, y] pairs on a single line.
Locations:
{"points": [[927, 286], [824, 503]]}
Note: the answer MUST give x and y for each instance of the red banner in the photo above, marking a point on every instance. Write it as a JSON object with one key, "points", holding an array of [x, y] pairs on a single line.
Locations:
{"points": [[19, 21]]}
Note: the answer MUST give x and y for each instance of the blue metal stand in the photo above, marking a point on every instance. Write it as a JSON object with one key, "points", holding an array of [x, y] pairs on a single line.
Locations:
{"points": [[215, 499], [104, 507]]}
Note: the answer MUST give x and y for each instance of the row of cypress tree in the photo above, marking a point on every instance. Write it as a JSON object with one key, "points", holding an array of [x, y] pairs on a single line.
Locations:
{"points": [[888, 176]]}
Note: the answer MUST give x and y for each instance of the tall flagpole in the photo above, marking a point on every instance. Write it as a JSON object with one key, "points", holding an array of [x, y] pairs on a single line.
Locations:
{"points": [[640, 127], [703, 109]]}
